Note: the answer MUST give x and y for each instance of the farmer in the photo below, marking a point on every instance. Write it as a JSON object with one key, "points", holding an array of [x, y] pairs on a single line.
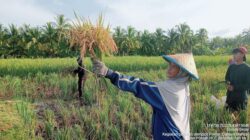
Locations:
{"points": [[81, 73], [238, 79], [169, 99]]}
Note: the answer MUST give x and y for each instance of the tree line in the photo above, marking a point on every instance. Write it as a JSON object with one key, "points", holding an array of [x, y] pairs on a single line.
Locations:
{"points": [[49, 41]]}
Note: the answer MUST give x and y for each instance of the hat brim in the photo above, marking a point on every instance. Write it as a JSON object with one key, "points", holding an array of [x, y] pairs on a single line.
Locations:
{"points": [[170, 59]]}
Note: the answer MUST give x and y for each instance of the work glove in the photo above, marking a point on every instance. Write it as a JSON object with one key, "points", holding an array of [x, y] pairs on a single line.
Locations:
{"points": [[99, 67]]}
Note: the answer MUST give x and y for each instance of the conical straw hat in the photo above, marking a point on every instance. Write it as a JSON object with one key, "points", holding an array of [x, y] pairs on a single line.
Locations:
{"points": [[185, 61]]}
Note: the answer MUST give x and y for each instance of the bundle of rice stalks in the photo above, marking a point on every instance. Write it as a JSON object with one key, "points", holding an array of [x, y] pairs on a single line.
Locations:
{"points": [[93, 38]]}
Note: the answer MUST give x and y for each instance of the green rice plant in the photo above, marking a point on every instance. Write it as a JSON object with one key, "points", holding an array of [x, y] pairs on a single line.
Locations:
{"points": [[24, 109], [64, 134], [104, 118], [78, 132], [30, 67], [114, 133], [88, 98], [25, 113], [243, 117], [12, 124], [49, 123], [102, 113], [124, 105]]}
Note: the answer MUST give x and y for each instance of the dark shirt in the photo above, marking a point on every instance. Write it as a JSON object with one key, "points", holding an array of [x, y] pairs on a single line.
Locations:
{"points": [[239, 78]]}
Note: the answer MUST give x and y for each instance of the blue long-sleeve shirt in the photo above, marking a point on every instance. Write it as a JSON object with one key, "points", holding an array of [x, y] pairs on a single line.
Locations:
{"points": [[163, 126]]}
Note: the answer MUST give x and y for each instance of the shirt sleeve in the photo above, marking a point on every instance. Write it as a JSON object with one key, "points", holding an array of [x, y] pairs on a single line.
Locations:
{"points": [[146, 91]]}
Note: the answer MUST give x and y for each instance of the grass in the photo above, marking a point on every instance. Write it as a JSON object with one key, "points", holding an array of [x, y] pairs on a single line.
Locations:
{"points": [[17, 120], [30, 67], [40, 95], [9, 115]]}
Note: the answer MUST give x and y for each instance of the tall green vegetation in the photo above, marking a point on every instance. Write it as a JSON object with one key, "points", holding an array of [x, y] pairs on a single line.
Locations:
{"points": [[50, 41], [45, 41], [38, 100]]}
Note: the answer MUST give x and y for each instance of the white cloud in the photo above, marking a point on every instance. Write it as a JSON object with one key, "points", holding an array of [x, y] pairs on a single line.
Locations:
{"points": [[23, 11], [224, 17], [219, 17]]}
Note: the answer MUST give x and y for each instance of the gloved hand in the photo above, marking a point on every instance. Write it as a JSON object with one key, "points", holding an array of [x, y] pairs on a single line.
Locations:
{"points": [[99, 67]]}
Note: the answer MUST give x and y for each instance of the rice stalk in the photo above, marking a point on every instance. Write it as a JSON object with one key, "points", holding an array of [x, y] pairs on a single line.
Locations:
{"points": [[94, 39]]}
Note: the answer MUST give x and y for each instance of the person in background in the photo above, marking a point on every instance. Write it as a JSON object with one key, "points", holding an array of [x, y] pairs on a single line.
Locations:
{"points": [[169, 99], [81, 74], [238, 79]]}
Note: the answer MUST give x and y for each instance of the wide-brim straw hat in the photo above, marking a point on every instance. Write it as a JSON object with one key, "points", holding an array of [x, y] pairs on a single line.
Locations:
{"points": [[185, 61]]}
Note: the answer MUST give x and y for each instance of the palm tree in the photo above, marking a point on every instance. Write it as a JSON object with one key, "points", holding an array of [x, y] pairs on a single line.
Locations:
{"points": [[14, 44], [25, 37], [147, 43], [246, 36], [3, 33], [185, 35], [130, 43], [34, 43], [119, 35], [173, 40], [202, 36], [49, 38], [62, 25], [201, 39], [217, 42], [160, 42]]}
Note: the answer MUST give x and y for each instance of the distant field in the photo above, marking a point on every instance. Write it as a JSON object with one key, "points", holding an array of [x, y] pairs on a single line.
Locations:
{"points": [[23, 67], [38, 99]]}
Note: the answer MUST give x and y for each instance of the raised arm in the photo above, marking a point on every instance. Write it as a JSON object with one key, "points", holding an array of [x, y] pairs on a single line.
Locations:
{"points": [[146, 91]]}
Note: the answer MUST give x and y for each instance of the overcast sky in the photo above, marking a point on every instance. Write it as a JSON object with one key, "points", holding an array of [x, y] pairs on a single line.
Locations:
{"points": [[220, 17]]}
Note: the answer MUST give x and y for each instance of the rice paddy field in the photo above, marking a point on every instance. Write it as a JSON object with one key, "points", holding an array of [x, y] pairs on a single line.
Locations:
{"points": [[39, 100]]}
